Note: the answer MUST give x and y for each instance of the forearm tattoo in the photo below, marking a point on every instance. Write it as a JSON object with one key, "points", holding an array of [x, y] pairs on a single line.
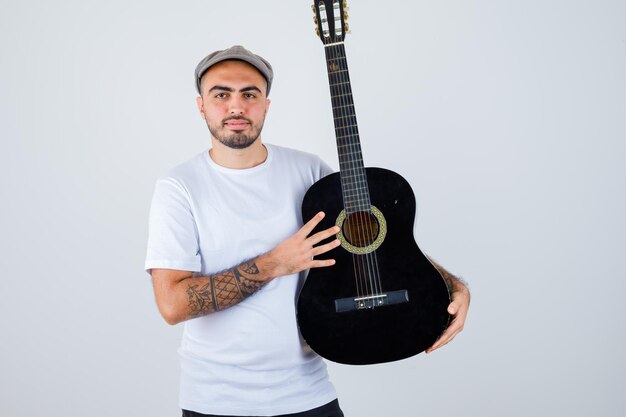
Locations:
{"points": [[224, 289]]}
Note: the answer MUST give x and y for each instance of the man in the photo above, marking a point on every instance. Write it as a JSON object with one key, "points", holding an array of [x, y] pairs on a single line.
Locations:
{"points": [[235, 209]]}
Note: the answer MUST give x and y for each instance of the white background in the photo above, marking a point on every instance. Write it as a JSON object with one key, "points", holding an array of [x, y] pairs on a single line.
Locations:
{"points": [[508, 118]]}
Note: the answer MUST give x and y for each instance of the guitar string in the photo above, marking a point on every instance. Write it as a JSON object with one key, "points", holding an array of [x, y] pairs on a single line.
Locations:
{"points": [[362, 216], [355, 225], [335, 85], [359, 272], [351, 131], [346, 162], [360, 283]]}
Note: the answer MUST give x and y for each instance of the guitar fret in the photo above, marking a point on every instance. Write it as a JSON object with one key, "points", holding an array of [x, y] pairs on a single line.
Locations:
{"points": [[351, 135], [354, 186], [351, 161], [356, 203], [355, 198], [357, 207], [364, 196], [352, 202], [355, 176], [353, 168], [339, 80], [345, 118], [346, 195], [345, 127], [341, 95], [361, 176], [356, 173]]}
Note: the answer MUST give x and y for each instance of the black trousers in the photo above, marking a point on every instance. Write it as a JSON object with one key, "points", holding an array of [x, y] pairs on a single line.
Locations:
{"points": [[329, 410]]}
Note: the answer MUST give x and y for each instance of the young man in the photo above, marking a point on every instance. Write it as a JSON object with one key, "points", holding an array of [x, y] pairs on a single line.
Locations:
{"points": [[236, 209]]}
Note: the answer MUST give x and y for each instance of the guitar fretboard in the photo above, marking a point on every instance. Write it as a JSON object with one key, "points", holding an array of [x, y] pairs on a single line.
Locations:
{"points": [[353, 178]]}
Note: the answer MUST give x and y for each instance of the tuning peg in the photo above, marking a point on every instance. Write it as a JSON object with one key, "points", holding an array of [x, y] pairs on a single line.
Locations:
{"points": [[313, 8], [317, 31], [345, 5], [347, 26], [345, 16], [315, 19]]}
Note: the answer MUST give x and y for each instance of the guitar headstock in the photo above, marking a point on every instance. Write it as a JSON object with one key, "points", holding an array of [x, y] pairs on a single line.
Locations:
{"points": [[330, 20]]}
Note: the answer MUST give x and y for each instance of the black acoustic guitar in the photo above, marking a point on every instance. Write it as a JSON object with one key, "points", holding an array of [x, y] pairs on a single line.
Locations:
{"points": [[383, 300]]}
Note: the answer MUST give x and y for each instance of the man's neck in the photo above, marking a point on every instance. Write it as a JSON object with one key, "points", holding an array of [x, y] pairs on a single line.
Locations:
{"points": [[249, 157]]}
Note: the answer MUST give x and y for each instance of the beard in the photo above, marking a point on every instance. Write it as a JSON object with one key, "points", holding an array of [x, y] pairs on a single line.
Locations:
{"points": [[235, 140]]}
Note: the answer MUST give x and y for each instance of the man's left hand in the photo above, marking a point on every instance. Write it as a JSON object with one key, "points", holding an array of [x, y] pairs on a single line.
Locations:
{"points": [[458, 310]]}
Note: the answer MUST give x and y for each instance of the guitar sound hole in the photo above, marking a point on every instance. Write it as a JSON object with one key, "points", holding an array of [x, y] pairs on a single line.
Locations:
{"points": [[361, 228]]}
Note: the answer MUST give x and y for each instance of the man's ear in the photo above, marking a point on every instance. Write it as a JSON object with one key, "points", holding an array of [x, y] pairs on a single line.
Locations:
{"points": [[200, 103], [267, 105]]}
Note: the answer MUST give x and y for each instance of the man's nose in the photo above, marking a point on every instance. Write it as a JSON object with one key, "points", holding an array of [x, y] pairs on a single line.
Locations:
{"points": [[236, 106]]}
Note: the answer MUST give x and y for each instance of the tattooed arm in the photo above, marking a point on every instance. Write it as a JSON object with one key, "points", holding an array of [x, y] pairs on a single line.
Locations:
{"points": [[224, 289], [181, 296]]}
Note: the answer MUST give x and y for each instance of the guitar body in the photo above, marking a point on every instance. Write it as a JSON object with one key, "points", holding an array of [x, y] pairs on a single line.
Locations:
{"points": [[378, 334]]}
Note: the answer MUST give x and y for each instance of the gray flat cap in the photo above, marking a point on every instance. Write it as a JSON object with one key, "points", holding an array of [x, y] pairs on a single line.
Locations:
{"points": [[237, 52]]}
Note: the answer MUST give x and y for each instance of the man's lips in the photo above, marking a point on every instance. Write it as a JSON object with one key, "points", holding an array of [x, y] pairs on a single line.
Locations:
{"points": [[237, 124]]}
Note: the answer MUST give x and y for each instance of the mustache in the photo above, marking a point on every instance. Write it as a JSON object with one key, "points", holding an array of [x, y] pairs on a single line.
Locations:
{"points": [[236, 118]]}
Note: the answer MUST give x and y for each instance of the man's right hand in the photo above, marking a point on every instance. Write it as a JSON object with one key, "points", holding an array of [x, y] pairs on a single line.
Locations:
{"points": [[296, 253]]}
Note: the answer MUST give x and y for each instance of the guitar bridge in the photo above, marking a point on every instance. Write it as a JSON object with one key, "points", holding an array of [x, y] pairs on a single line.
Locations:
{"points": [[371, 301]]}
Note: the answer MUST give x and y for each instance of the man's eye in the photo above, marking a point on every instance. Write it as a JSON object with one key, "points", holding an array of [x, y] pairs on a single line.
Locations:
{"points": [[220, 95], [249, 95]]}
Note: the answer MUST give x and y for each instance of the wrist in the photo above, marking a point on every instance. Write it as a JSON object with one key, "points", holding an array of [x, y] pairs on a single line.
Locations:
{"points": [[268, 266], [459, 285]]}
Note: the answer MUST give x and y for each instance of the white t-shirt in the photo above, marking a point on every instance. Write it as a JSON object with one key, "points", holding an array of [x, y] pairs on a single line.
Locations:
{"points": [[248, 359]]}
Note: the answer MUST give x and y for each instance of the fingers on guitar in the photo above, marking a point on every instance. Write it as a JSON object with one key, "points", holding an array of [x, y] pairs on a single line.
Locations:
{"points": [[322, 263], [318, 250], [324, 234], [310, 225]]}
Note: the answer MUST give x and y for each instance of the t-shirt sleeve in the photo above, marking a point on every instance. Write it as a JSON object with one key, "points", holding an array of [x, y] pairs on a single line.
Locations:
{"points": [[172, 230], [324, 169]]}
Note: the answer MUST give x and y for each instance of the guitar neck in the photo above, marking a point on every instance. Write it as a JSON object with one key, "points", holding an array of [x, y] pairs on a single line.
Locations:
{"points": [[353, 178]]}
